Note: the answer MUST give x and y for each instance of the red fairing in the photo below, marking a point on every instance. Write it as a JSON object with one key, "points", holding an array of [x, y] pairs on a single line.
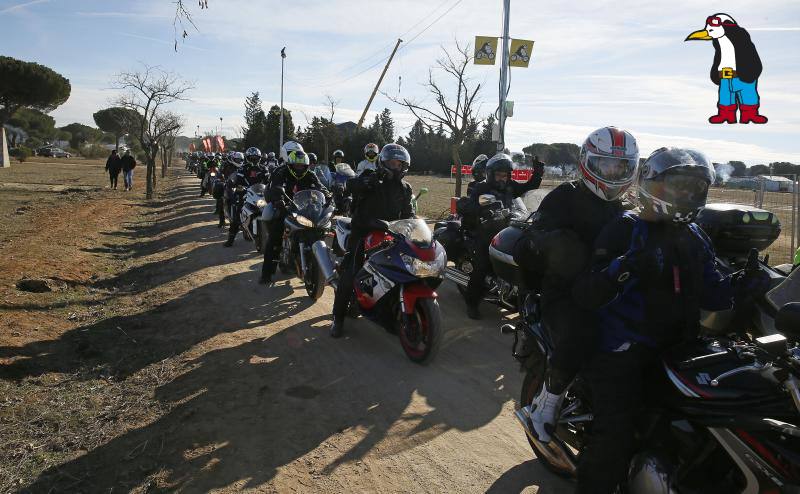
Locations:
{"points": [[364, 300], [375, 238], [414, 291], [426, 254]]}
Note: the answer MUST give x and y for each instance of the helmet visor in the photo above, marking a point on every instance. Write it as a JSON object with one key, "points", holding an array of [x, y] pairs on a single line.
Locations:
{"points": [[612, 169], [684, 191]]}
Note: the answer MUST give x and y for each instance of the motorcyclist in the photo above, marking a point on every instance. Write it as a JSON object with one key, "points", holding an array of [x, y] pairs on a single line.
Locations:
{"points": [[378, 195], [250, 173], [371, 151], [478, 171], [499, 184], [338, 158], [284, 183], [651, 275], [202, 170], [555, 249]]}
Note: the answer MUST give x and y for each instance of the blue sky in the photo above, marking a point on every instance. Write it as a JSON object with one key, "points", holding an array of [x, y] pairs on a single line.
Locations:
{"points": [[595, 62]]}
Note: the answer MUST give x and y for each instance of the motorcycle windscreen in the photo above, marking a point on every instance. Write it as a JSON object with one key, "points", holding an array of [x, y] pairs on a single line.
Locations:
{"points": [[310, 203], [787, 291], [415, 230], [324, 175]]}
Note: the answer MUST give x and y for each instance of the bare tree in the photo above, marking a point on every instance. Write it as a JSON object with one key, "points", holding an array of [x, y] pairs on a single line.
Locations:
{"points": [[455, 109], [330, 130], [147, 92], [331, 104]]}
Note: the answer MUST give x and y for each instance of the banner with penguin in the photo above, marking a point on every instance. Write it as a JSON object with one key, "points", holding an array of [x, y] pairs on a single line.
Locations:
{"points": [[735, 69]]}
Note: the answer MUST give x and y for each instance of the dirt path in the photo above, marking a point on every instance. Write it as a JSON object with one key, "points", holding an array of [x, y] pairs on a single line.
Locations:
{"points": [[228, 385]]}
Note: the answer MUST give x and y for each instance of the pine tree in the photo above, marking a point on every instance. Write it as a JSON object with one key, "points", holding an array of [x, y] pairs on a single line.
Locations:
{"points": [[252, 105], [387, 125]]}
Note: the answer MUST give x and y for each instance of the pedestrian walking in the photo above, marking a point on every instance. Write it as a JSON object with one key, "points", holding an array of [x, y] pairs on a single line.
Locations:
{"points": [[128, 163], [113, 167]]}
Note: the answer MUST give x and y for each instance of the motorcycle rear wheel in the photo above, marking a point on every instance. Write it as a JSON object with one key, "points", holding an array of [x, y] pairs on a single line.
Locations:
{"points": [[424, 343]]}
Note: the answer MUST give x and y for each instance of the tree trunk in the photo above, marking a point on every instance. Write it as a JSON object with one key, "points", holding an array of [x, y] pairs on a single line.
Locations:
{"points": [[457, 162], [116, 144], [151, 166], [163, 162]]}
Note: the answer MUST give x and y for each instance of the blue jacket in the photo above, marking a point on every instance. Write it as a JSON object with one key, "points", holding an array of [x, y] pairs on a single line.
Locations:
{"points": [[648, 282]]}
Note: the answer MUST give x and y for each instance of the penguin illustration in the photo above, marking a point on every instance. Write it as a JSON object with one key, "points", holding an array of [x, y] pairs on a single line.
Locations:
{"points": [[735, 70]]}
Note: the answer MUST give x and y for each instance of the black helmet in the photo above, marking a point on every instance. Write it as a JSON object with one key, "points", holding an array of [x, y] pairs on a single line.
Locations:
{"points": [[338, 154], [270, 156], [312, 158], [479, 167], [253, 155], [394, 152], [673, 184], [500, 162]]}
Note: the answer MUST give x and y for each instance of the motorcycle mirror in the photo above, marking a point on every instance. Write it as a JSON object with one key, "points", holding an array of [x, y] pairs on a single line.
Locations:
{"points": [[787, 321], [485, 199]]}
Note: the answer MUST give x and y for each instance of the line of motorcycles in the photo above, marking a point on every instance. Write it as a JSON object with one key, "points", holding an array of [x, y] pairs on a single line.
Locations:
{"points": [[404, 264], [721, 413]]}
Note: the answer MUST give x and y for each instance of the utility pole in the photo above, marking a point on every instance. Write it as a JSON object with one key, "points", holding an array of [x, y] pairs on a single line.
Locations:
{"points": [[220, 126], [280, 139], [363, 115], [501, 120]]}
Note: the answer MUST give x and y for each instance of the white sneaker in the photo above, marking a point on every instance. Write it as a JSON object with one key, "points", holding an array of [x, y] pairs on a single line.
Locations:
{"points": [[543, 415]]}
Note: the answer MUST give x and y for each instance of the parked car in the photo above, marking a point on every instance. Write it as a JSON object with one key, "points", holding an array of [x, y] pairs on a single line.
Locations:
{"points": [[53, 152]]}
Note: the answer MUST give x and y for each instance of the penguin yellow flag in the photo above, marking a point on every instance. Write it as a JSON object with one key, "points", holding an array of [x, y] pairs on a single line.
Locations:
{"points": [[485, 50], [520, 52]]}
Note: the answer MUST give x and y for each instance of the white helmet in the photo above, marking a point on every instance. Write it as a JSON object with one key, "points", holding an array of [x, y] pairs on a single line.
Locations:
{"points": [[288, 147], [608, 161]]}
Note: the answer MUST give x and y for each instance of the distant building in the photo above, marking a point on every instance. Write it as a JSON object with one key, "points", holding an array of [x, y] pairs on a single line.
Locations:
{"points": [[776, 183]]}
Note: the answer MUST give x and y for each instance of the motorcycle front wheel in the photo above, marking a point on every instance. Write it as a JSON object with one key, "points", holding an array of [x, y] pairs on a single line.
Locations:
{"points": [[314, 281], [421, 333], [558, 456]]}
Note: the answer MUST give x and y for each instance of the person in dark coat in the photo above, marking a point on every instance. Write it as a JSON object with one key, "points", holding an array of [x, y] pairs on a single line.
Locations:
{"points": [[113, 167], [128, 163]]}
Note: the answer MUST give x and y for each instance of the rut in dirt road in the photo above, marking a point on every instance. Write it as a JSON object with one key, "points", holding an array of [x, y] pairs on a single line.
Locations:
{"points": [[263, 398]]}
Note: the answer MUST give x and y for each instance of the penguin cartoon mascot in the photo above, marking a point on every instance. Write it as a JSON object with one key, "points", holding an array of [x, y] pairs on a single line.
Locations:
{"points": [[735, 70]]}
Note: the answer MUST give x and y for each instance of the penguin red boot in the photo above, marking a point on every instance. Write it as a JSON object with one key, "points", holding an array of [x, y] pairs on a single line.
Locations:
{"points": [[749, 113], [727, 113]]}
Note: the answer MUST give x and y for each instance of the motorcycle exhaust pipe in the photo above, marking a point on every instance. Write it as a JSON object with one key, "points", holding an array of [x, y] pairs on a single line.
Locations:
{"points": [[323, 258]]}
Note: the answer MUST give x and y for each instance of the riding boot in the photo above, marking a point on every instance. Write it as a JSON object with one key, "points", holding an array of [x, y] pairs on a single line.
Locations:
{"points": [[749, 113], [727, 113]]}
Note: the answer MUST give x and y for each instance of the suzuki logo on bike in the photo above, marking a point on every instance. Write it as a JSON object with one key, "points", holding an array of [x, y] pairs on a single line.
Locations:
{"points": [[703, 378]]}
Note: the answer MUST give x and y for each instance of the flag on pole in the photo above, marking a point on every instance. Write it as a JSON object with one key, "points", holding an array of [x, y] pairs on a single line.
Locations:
{"points": [[520, 52], [485, 50], [221, 144]]}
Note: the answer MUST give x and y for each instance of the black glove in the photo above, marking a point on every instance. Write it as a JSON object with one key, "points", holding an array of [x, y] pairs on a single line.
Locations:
{"points": [[638, 263], [749, 283]]}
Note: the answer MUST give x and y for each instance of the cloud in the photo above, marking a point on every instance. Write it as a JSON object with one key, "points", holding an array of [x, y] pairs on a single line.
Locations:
{"points": [[21, 6]]}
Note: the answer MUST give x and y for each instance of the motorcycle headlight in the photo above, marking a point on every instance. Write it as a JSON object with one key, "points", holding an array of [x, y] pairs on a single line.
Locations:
{"points": [[261, 204], [213, 174], [425, 269], [304, 221]]}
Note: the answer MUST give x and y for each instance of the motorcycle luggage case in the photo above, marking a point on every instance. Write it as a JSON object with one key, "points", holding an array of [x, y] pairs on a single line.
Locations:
{"points": [[501, 254], [735, 229]]}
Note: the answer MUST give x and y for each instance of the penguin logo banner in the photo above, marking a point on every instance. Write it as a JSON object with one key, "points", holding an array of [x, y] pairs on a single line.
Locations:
{"points": [[520, 52], [485, 50], [735, 69]]}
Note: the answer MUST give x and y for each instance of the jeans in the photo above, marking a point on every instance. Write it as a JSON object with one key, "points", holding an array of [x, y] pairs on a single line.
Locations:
{"points": [[732, 91], [127, 175]]}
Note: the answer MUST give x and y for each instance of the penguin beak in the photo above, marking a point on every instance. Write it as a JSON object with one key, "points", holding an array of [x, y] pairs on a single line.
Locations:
{"points": [[701, 34]]}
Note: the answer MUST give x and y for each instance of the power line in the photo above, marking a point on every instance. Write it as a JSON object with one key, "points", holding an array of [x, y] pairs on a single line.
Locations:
{"points": [[432, 23]]}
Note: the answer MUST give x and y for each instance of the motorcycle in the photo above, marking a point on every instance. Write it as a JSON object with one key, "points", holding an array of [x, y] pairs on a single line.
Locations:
{"points": [[335, 182], [250, 203], [717, 416], [396, 286], [211, 177], [307, 224], [460, 240]]}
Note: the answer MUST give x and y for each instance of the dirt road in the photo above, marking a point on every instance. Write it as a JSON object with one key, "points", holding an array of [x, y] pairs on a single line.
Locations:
{"points": [[242, 388]]}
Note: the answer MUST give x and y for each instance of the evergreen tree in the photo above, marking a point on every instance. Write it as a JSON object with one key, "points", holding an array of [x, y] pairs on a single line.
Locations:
{"points": [[387, 125]]}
